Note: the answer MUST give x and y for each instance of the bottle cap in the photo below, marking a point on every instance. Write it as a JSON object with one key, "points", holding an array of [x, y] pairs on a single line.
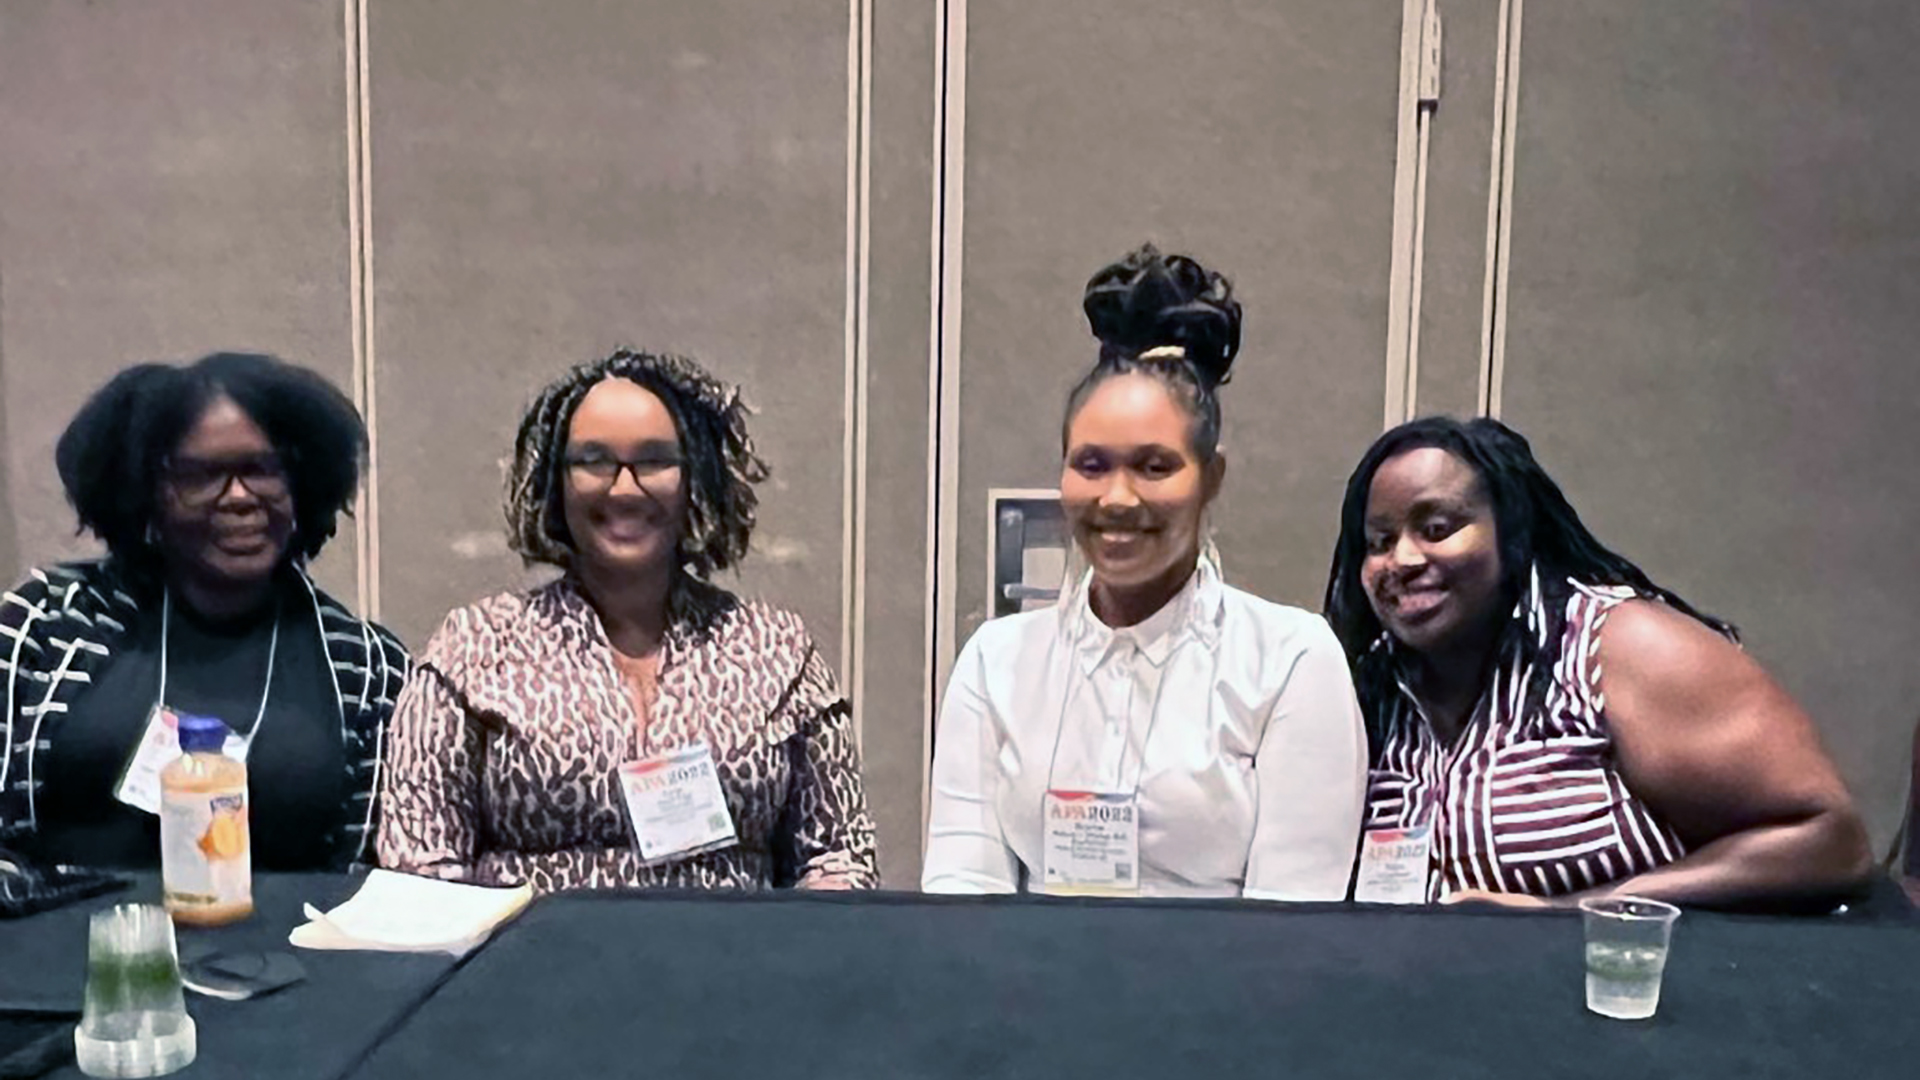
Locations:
{"points": [[201, 734]]}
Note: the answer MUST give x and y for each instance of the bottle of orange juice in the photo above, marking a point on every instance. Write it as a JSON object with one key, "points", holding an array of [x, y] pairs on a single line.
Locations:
{"points": [[206, 862]]}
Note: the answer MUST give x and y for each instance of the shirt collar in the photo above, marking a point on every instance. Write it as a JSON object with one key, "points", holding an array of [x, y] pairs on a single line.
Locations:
{"points": [[1195, 610]]}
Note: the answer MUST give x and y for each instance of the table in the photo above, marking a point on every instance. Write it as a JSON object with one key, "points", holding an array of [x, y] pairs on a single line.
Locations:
{"points": [[904, 986], [316, 1029]]}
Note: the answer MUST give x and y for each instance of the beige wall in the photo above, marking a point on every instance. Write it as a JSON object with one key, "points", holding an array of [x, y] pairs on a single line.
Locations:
{"points": [[1712, 318], [172, 182], [1707, 315], [1275, 168], [547, 188]]}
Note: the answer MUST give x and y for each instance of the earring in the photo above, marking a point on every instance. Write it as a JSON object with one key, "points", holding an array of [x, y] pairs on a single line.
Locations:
{"points": [[1536, 614]]}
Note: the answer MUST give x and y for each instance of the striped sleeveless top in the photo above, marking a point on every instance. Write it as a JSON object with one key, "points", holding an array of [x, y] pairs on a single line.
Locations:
{"points": [[1522, 803]]}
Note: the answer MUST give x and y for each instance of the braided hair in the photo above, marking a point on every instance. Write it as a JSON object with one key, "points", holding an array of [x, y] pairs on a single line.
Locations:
{"points": [[1171, 319], [1538, 531], [720, 465]]}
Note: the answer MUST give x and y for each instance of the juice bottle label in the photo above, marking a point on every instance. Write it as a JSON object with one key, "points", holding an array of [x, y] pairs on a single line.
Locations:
{"points": [[205, 856]]}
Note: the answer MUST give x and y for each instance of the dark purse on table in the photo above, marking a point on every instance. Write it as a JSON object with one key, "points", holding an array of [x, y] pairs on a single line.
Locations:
{"points": [[27, 886]]}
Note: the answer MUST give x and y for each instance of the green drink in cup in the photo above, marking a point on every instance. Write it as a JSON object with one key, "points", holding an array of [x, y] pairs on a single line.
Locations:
{"points": [[135, 1021]]}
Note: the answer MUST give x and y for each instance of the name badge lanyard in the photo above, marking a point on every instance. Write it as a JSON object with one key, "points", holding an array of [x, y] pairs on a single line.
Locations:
{"points": [[266, 690], [635, 737], [1401, 862], [675, 806], [1099, 854], [1153, 717]]}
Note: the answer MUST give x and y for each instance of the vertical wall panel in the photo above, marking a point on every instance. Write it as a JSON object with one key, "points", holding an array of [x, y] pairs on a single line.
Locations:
{"points": [[553, 181], [1257, 137], [1714, 307], [1457, 184], [172, 182], [897, 546]]}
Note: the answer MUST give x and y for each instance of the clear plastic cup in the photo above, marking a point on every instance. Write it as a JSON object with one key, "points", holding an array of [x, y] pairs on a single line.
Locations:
{"points": [[1626, 950], [135, 1021]]}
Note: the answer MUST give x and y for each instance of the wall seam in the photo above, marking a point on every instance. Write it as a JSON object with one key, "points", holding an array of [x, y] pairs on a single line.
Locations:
{"points": [[943, 398]]}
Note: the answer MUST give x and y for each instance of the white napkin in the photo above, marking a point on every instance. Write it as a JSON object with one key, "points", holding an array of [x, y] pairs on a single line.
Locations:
{"points": [[395, 912]]}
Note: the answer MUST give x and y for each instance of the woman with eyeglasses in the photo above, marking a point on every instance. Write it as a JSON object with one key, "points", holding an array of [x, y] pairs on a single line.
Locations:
{"points": [[211, 485], [629, 723]]}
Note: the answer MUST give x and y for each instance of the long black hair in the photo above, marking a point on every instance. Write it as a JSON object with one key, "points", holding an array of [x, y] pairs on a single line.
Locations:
{"points": [[719, 465], [1167, 317], [111, 455], [1538, 530]]}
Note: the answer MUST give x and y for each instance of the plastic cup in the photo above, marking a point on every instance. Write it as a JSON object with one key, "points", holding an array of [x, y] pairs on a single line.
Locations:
{"points": [[1626, 947], [135, 1021]]}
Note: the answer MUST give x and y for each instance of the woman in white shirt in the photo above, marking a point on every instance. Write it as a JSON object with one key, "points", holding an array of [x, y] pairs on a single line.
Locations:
{"points": [[1157, 732]]}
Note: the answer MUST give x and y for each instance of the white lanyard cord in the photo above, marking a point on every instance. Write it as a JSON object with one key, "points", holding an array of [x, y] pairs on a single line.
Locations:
{"points": [[1075, 678], [273, 650]]}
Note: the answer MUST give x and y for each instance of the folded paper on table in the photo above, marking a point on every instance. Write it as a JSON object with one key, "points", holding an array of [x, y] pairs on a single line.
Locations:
{"points": [[395, 912]]}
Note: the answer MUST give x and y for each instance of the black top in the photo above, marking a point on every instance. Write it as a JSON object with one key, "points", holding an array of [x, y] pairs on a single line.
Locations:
{"points": [[296, 767]]}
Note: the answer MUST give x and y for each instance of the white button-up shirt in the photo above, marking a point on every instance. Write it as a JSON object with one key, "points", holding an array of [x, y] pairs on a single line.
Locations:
{"points": [[1231, 718]]}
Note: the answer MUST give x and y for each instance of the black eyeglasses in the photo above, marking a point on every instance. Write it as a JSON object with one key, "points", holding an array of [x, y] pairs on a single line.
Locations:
{"points": [[596, 471], [197, 481]]}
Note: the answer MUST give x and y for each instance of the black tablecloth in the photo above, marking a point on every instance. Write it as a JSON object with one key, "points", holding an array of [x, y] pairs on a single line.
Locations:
{"points": [[318, 1028], [672, 985], [695, 985]]}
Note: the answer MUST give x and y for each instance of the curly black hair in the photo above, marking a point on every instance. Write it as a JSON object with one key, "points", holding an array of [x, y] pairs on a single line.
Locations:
{"points": [[1168, 317], [111, 455], [720, 464], [1537, 529]]}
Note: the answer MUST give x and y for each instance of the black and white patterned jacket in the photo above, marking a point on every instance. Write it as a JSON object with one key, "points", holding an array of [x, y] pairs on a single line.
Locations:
{"points": [[58, 630]]}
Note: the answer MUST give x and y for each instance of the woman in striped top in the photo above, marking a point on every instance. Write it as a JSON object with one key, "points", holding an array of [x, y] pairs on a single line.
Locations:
{"points": [[1556, 722]]}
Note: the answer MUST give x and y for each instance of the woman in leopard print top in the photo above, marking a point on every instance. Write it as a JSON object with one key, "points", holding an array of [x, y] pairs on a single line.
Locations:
{"points": [[634, 475]]}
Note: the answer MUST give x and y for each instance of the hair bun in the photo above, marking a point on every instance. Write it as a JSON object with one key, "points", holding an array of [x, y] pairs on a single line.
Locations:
{"points": [[1148, 300]]}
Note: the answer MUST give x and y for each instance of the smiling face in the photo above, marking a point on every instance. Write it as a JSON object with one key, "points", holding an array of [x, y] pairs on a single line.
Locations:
{"points": [[1432, 571], [224, 513], [1133, 488], [625, 499]]}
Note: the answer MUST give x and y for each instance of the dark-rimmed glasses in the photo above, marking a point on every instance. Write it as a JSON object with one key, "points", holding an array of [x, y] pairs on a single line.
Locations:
{"points": [[197, 481], [596, 472]]}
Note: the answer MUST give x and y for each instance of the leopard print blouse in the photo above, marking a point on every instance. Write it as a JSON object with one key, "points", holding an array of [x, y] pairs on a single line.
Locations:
{"points": [[501, 755]]}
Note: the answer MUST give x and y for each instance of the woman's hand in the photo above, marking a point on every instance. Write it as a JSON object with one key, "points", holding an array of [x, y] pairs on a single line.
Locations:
{"points": [[1497, 899], [826, 883]]}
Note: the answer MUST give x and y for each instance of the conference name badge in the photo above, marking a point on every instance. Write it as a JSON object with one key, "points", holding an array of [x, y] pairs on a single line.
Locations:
{"points": [[1393, 865], [675, 806], [1092, 844], [139, 783]]}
